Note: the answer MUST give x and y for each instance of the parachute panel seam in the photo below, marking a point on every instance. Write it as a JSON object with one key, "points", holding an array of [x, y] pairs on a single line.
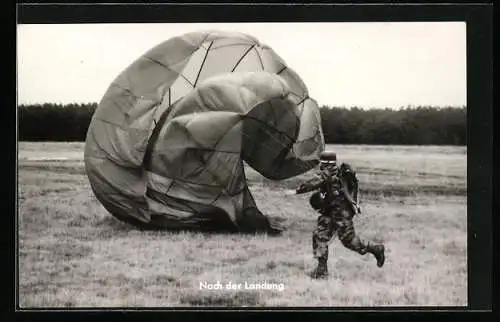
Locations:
{"points": [[249, 43], [159, 63], [260, 58], [281, 70], [154, 135], [184, 184], [203, 63], [216, 178], [170, 69], [303, 100], [156, 196], [125, 89], [108, 155], [267, 125], [174, 178], [243, 56]]}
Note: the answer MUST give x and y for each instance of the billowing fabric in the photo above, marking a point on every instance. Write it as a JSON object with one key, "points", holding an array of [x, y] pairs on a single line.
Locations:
{"points": [[167, 144]]}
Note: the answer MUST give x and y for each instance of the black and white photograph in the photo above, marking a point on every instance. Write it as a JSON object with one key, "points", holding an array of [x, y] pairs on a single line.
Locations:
{"points": [[237, 165]]}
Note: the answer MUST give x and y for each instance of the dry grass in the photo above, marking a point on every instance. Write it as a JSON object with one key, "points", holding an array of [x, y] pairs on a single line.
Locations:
{"points": [[72, 253]]}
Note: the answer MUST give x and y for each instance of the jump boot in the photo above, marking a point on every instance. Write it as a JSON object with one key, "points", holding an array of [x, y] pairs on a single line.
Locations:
{"points": [[379, 252], [321, 271]]}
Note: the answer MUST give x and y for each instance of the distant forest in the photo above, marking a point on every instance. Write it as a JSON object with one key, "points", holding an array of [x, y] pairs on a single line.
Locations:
{"points": [[421, 125]]}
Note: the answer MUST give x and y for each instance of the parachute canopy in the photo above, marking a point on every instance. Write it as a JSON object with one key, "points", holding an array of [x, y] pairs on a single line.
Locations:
{"points": [[167, 144]]}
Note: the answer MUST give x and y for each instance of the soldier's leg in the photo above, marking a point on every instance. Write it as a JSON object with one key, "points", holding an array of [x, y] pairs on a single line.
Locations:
{"points": [[320, 239], [322, 236], [350, 240]]}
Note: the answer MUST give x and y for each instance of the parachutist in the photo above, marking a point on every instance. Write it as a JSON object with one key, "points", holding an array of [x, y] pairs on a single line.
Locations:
{"points": [[336, 201]]}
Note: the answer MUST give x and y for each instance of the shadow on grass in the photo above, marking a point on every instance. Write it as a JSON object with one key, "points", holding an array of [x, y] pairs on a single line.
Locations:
{"points": [[219, 227]]}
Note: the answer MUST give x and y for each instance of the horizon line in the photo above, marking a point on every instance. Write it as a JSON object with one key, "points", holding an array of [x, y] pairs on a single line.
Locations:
{"points": [[319, 105]]}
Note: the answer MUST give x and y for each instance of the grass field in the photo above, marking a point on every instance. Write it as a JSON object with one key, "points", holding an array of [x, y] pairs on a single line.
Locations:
{"points": [[72, 253]]}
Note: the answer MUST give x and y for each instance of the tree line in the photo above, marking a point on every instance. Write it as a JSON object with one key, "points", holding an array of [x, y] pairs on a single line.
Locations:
{"points": [[421, 125]]}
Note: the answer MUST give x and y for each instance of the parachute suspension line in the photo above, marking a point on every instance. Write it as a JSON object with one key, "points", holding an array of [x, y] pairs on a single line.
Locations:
{"points": [[241, 58], [203, 63]]}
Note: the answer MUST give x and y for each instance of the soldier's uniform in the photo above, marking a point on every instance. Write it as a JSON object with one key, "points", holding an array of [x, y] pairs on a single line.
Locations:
{"points": [[336, 201]]}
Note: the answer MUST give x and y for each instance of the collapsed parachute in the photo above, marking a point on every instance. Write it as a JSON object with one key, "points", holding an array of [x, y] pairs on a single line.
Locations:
{"points": [[167, 144]]}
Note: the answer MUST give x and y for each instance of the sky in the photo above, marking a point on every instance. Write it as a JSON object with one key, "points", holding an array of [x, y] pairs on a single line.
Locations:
{"points": [[368, 65]]}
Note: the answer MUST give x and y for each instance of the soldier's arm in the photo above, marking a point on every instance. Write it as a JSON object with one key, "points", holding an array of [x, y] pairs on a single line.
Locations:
{"points": [[311, 184]]}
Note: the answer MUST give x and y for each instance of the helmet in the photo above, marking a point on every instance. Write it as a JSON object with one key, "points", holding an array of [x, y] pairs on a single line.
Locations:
{"points": [[328, 157], [316, 200]]}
